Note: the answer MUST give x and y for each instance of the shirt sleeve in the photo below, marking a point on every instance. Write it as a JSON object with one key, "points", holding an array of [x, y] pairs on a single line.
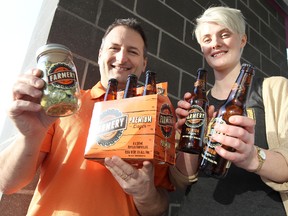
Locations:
{"points": [[47, 142], [275, 94]]}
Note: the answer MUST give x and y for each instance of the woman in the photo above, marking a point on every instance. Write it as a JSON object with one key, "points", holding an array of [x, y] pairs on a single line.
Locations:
{"points": [[256, 180]]}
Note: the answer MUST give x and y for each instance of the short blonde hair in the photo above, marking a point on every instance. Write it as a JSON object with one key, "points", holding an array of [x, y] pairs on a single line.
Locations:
{"points": [[230, 18]]}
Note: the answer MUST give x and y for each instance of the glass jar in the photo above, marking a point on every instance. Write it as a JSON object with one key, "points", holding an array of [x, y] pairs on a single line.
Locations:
{"points": [[61, 94]]}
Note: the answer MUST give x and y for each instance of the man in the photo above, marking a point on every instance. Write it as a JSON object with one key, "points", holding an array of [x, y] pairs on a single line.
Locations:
{"points": [[69, 184]]}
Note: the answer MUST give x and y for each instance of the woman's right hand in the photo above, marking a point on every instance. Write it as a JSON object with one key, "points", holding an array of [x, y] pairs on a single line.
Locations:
{"points": [[183, 108]]}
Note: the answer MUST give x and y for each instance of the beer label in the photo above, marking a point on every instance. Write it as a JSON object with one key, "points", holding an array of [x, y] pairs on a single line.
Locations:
{"points": [[165, 120], [251, 113], [150, 87], [209, 152], [238, 89], [196, 117], [228, 164], [235, 86], [199, 83], [61, 75], [210, 131]]}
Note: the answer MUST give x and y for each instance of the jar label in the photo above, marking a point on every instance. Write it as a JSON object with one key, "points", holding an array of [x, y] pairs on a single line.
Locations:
{"points": [[61, 75]]}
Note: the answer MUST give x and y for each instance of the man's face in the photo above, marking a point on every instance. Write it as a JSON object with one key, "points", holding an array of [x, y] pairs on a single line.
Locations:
{"points": [[121, 54]]}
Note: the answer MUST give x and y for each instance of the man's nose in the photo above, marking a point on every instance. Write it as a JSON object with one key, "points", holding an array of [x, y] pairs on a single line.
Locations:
{"points": [[121, 56]]}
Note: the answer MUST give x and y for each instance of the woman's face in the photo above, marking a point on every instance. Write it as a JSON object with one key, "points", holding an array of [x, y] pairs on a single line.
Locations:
{"points": [[220, 46]]}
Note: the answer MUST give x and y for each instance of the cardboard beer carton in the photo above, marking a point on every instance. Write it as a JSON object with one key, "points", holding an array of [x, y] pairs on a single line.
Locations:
{"points": [[135, 129]]}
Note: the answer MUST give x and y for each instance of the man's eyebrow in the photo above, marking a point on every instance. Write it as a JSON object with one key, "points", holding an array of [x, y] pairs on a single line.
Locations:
{"points": [[133, 47]]}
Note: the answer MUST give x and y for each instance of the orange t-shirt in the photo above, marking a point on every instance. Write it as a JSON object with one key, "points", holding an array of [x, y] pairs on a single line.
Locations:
{"points": [[71, 185]]}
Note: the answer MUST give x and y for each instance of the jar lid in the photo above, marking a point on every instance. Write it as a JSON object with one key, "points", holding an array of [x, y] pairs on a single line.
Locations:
{"points": [[52, 47]]}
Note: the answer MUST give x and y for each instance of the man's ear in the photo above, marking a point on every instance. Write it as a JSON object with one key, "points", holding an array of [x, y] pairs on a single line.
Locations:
{"points": [[99, 54], [144, 64]]}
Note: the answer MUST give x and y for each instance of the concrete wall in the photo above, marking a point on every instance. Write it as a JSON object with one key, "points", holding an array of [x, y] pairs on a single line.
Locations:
{"points": [[173, 54]]}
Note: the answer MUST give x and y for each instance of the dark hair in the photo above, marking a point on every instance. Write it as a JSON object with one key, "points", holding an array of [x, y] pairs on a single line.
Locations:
{"points": [[130, 23]]}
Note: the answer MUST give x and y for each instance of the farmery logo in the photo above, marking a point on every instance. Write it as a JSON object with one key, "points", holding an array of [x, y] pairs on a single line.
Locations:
{"points": [[196, 117], [110, 127], [61, 75]]}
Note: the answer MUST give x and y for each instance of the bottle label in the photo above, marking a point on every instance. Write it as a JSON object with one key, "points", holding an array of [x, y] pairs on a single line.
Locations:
{"points": [[199, 83], [150, 87], [61, 75], [209, 150], [196, 117], [166, 121], [210, 131]]}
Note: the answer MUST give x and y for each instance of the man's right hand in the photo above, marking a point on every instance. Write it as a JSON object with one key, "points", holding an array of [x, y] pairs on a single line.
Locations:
{"points": [[25, 109]]}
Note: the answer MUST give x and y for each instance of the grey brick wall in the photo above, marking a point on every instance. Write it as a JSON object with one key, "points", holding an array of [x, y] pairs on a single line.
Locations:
{"points": [[173, 53]]}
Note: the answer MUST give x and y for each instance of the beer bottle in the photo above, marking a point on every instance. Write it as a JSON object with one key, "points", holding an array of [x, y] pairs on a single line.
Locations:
{"points": [[131, 86], [150, 83], [193, 131], [210, 162], [111, 91]]}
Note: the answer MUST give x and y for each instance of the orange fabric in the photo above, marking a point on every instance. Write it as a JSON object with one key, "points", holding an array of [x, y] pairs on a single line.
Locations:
{"points": [[72, 185]]}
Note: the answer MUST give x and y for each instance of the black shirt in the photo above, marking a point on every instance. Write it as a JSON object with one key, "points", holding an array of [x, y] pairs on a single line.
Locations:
{"points": [[240, 192]]}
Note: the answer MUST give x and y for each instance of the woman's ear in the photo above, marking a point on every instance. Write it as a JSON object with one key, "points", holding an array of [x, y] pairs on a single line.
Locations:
{"points": [[243, 40]]}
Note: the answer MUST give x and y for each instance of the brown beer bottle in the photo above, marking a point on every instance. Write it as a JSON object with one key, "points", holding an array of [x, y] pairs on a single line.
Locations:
{"points": [[150, 83], [111, 91], [131, 86], [210, 162], [193, 131]]}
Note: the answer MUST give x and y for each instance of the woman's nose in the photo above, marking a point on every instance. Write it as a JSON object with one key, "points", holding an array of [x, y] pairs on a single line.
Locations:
{"points": [[216, 43]]}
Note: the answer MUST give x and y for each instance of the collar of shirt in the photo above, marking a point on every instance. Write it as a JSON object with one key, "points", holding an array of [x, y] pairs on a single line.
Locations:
{"points": [[97, 91]]}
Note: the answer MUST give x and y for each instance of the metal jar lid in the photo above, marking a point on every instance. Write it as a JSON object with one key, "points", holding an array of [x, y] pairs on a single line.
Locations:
{"points": [[52, 47]]}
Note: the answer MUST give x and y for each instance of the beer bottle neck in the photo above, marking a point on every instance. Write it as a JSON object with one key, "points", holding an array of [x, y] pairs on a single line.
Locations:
{"points": [[131, 85], [241, 88], [150, 84], [111, 91], [201, 81]]}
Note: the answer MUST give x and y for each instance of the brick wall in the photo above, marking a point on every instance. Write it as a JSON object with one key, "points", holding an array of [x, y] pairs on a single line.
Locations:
{"points": [[173, 54]]}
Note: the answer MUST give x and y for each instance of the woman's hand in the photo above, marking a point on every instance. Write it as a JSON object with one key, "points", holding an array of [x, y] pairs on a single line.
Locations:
{"points": [[240, 136]]}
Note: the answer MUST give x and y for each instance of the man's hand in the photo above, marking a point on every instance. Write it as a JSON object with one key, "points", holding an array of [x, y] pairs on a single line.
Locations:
{"points": [[139, 183], [25, 109], [135, 182]]}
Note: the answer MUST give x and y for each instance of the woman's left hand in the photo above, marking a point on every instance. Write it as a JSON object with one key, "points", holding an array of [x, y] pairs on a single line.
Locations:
{"points": [[239, 135]]}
